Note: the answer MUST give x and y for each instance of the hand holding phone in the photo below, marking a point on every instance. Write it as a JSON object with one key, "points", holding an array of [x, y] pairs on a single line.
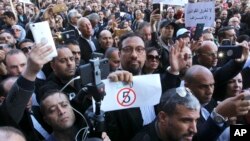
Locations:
{"points": [[198, 31], [158, 6], [42, 34]]}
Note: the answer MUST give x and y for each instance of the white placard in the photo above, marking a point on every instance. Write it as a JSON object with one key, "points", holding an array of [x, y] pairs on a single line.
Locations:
{"points": [[172, 2], [26, 1], [144, 91], [200, 12]]}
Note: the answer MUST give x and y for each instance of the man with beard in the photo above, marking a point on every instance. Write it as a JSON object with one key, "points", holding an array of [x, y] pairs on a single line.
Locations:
{"points": [[64, 68], [176, 105], [124, 124]]}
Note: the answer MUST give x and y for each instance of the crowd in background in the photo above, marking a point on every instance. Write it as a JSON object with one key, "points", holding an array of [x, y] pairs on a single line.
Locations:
{"points": [[202, 92]]}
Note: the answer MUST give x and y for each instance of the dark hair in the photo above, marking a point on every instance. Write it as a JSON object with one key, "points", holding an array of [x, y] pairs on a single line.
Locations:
{"points": [[242, 38], [47, 94], [24, 41], [128, 35], [71, 42], [173, 97], [9, 14]]}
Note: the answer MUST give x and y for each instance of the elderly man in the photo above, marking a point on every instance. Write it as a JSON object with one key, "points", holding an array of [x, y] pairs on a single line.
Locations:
{"points": [[87, 44]]}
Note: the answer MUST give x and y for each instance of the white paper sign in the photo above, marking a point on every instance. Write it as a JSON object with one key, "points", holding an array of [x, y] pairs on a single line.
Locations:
{"points": [[144, 91], [200, 12], [172, 2], [25, 1]]}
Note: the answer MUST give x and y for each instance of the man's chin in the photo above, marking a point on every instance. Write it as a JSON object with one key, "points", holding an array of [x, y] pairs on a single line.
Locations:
{"points": [[134, 71]]}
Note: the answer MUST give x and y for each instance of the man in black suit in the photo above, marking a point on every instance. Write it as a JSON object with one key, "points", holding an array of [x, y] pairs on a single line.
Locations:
{"points": [[87, 44], [73, 16], [21, 17]]}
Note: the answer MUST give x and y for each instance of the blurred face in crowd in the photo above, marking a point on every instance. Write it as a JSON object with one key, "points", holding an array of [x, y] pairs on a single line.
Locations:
{"points": [[167, 32], [208, 54], [146, 33], [184, 120], [133, 54], [223, 15], [234, 21], [16, 31], [231, 35], [106, 39], [234, 86], [202, 86], [218, 23], [75, 49], [153, 60], [19, 10], [15, 64], [85, 27], [75, 18], [94, 7], [64, 64], [58, 112], [114, 60], [188, 60], [26, 47], [101, 15], [7, 38], [208, 37], [7, 20], [171, 13]]}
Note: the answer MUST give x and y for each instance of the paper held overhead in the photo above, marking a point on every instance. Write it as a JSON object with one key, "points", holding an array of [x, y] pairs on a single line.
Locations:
{"points": [[172, 2]]}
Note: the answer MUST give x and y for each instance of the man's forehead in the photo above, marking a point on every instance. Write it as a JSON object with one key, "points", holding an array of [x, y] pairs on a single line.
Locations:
{"points": [[135, 41]]}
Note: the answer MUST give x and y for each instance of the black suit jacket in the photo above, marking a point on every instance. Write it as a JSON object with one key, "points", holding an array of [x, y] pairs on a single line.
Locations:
{"points": [[85, 48], [71, 27]]}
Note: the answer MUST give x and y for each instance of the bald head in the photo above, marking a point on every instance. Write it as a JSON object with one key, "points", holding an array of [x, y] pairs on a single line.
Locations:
{"points": [[105, 39], [8, 133], [196, 71], [207, 54], [200, 81]]}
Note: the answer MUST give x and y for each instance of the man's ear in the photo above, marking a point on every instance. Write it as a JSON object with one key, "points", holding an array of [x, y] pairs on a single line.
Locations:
{"points": [[163, 118]]}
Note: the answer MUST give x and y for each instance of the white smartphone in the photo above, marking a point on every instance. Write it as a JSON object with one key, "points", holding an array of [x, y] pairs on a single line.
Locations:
{"points": [[41, 32]]}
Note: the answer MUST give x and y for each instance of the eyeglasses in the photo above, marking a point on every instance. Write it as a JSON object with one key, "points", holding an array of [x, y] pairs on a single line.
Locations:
{"points": [[152, 57], [210, 54], [129, 50], [26, 49], [78, 17]]}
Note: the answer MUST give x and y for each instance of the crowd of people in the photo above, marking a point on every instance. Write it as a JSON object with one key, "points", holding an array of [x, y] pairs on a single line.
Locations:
{"points": [[202, 93]]}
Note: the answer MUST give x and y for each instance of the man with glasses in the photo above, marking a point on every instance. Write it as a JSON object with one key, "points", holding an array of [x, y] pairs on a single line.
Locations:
{"points": [[124, 124], [207, 54], [176, 120]]}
